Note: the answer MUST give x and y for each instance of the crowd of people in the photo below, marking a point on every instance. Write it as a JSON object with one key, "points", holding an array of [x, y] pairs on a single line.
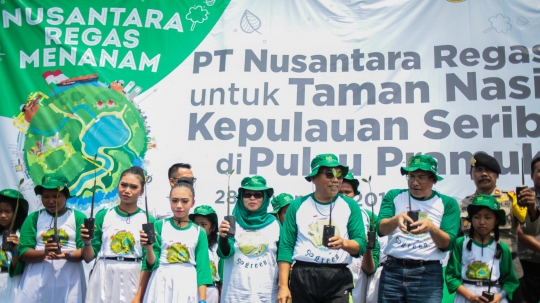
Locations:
{"points": [[321, 247]]}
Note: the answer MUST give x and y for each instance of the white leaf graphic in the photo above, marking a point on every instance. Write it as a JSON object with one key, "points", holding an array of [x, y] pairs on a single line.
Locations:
{"points": [[250, 23]]}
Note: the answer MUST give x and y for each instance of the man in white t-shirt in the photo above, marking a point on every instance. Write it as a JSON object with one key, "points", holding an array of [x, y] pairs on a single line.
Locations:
{"points": [[320, 273], [176, 172], [413, 270]]}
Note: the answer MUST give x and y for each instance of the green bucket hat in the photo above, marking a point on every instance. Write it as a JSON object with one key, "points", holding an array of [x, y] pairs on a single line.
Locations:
{"points": [[256, 183], [327, 160], [12, 195], [422, 162], [354, 182], [205, 210], [490, 202], [51, 181], [280, 201]]}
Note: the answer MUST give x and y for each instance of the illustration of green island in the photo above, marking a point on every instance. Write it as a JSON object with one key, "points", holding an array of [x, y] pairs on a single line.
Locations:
{"points": [[253, 244], [123, 243], [477, 270], [177, 253], [3, 259], [73, 126], [64, 238]]}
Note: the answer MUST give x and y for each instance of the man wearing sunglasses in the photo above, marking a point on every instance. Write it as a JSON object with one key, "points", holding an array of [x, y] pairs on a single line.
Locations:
{"points": [[320, 272], [413, 270]]}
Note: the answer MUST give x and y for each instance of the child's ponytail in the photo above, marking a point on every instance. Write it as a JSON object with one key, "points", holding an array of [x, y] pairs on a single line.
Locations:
{"points": [[471, 236]]}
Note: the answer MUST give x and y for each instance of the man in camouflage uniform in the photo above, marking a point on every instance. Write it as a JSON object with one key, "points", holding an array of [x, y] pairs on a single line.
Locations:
{"points": [[485, 171]]}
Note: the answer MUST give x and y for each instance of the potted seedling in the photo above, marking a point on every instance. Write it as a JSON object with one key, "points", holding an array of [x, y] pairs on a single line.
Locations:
{"points": [[410, 213], [372, 235], [230, 218], [89, 223], [330, 230], [8, 246], [148, 227], [55, 237]]}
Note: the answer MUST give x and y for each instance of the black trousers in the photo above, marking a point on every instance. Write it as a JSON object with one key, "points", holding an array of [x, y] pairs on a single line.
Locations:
{"points": [[321, 283], [530, 283]]}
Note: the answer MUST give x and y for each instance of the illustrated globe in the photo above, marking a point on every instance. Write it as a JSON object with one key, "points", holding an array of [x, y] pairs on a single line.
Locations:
{"points": [[72, 128]]}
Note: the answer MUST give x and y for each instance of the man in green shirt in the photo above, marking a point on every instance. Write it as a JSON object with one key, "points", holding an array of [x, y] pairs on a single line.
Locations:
{"points": [[413, 271], [320, 272]]}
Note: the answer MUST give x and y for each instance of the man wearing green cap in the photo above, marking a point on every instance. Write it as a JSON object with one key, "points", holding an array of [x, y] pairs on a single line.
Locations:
{"points": [[280, 205], [320, 273], [484, 171], [413, 270]]}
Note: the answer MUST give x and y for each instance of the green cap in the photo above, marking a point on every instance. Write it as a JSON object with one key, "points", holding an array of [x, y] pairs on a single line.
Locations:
{"points": [[480, 201], [256, 183], [422, 162], [52, 181], [280, 201], [327, 160], [205, 210], [11, 194], [354, 183]]}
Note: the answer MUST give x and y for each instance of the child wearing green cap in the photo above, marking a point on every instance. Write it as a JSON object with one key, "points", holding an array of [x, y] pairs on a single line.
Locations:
{"points": [[205, 216], [50, 277], [249, 266], [479, 261], [364, 267], [179, 259], [280, 205], [117, 275], [8, 259]]}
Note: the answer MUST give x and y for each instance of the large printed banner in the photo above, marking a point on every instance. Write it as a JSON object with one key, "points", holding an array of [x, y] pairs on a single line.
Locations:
{"points": [[261, 87]]}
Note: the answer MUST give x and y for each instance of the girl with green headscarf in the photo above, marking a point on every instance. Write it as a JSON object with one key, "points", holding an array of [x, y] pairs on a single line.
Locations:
{"points": [[250, 268]]}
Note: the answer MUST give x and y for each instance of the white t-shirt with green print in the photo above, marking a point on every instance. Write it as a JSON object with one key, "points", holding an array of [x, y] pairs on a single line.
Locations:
{"points": [[117, 234], [442, 210], [301, 237], [39, 226]]}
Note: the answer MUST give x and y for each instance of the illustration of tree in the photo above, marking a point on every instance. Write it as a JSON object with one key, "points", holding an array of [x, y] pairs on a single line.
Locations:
{"points": [[77, 96], [197, 14]]}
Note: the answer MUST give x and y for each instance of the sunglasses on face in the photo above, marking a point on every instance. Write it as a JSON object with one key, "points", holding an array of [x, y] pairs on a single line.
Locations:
{"points": [[330, 175], [256, 195]]}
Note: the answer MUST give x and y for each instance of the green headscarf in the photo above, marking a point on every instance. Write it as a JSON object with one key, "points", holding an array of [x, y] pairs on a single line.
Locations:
{"points": [[259, 218]]}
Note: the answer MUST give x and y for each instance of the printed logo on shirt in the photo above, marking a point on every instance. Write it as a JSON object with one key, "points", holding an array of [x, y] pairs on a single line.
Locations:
{"points": [[477, 270], [123, 243], [422, 215], [315, 232], [252, 244], [177, 253], [213, 268], [64, 238], [3, 259], [327, 257]]}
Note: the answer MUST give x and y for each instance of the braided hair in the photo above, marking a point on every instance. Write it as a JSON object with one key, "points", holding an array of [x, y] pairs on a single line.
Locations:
{"points": [[498, 252]]}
